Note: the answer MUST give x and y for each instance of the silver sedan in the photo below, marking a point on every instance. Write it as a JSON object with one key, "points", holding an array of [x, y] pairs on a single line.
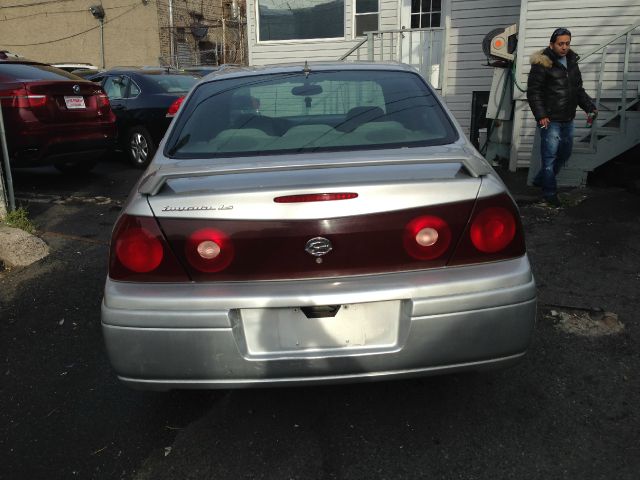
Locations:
{"points": [[315, 223]]}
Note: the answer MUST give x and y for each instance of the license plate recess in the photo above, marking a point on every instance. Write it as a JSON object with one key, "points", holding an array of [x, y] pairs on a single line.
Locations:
{"points": [[288, 330]]}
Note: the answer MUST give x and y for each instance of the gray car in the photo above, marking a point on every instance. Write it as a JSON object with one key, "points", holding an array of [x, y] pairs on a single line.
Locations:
{"points": [[315, 223]]}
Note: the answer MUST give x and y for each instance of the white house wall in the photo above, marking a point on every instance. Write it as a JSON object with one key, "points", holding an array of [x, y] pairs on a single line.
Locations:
{"points": [[466, 70], [592, 23]]}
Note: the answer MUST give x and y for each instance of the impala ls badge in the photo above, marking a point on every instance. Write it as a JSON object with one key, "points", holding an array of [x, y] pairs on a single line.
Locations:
{"points": [[76, 89], [318, 246]]}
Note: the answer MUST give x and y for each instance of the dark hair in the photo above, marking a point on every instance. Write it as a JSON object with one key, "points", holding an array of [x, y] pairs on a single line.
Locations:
{"points": [[557, 32]]}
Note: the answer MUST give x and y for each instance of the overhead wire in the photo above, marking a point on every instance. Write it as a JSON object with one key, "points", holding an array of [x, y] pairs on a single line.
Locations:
{"points": [[34, 4], [137, 5], [59, 12]]}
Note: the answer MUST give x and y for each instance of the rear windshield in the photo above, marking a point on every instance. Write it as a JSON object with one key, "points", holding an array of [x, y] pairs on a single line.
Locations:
{"points": [[173, 83], [294, 112], [21, 71]]}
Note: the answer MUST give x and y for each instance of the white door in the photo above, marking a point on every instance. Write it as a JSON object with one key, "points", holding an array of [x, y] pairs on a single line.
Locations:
{"points": [[423, 48]]}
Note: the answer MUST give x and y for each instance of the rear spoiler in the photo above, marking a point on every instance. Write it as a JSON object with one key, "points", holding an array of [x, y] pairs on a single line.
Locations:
{"points": [[152, 183]]}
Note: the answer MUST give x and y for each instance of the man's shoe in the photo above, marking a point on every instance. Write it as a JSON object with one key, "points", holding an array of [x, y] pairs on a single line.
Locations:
{"points": [[553, 200]]}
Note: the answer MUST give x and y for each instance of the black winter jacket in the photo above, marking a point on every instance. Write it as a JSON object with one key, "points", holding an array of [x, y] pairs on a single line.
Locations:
{"points": [[554, 91]]}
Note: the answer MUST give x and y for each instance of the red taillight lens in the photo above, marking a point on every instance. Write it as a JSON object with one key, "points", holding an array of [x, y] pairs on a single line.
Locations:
{"points": [[493, 229], [315, 197], [139, 252], [209, 250], [494, 233], [20, 98], [427, 237], [175, 106], [102, 101]]}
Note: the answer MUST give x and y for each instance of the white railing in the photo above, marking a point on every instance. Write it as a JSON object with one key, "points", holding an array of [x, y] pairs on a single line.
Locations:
{"points": [[625, 102], [422, 48]]}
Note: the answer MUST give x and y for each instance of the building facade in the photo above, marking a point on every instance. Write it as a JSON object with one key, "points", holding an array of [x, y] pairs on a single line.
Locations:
{"points": [[111, 33]]}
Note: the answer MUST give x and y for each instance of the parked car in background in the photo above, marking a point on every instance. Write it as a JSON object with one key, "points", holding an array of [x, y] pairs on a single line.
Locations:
{"points": [[310, 224], [144, 101], [70, 67], [86, 73], [202, 70], [52, 116]]}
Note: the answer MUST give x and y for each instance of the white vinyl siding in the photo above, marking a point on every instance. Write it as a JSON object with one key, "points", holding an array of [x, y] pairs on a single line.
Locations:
{"points": [[466, 70], [591, 23]]}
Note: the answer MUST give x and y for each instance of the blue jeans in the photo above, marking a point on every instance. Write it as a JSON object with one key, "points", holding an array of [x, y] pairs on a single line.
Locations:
{"points": [[556, 144]]}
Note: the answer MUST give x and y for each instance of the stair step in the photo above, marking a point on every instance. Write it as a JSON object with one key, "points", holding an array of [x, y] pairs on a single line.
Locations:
{"points": [[608, 130], [582, 149]]}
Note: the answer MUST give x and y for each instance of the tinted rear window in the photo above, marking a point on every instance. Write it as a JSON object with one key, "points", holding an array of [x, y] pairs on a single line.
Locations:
{"points": [[19, 71], [173, 83], [326, 110]]}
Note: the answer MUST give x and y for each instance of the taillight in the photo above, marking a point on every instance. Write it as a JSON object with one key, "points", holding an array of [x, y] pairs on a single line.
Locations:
{"points": [[20, 98], [315, 197], [139, 252], [494, 233], [175, 106], [209, 250], [102, 101], [493, 229], [426, 237]]}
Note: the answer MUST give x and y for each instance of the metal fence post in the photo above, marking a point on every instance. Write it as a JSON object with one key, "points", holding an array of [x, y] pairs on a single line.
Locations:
{"points": [[5, 171]]}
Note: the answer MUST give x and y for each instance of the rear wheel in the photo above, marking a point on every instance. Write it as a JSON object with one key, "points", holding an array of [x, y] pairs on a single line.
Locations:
{"points": [[140, 147]]}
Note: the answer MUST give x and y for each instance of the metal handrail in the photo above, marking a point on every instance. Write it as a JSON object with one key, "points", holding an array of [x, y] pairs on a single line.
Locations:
{"points": [[622, 111], [611, 40], [356, 47]]}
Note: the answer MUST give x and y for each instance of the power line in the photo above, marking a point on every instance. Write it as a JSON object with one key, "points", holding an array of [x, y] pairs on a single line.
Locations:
{"points": [[35, 4], [75, 34], [60, 12]]}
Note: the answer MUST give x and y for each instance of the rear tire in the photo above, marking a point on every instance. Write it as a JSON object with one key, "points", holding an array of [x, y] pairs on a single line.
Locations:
{"points": [[140, 147]]}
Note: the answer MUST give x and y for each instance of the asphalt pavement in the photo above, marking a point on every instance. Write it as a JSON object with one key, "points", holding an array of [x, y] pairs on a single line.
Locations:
{"points": [[567, 411]]}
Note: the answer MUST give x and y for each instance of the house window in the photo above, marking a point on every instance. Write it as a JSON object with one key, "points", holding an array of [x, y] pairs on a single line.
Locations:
{"points": [[426, 13], [366, 16], [300, 19]]}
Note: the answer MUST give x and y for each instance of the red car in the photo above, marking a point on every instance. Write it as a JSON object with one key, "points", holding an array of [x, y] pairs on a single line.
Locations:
{"points": [[52, 116]]}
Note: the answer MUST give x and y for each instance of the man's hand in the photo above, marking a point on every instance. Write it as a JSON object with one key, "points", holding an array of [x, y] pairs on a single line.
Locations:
{"points": [[544, 122]]}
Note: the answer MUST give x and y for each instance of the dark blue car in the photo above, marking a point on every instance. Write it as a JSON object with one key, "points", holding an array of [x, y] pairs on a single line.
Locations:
{"points": [[144, 101]]}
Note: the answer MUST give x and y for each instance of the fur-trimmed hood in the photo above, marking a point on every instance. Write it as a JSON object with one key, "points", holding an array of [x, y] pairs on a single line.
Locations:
{"points": [[545, 57]]}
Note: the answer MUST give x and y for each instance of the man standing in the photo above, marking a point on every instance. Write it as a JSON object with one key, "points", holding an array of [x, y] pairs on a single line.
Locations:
{"points": [[554, 91]]}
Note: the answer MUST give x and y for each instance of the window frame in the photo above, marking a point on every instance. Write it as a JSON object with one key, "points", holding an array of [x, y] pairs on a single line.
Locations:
{"points": [[430, 12], [256, 13], [355, 15]]}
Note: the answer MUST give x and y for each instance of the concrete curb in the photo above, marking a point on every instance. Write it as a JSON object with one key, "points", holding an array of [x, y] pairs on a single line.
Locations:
{"points": [[19, 248]]}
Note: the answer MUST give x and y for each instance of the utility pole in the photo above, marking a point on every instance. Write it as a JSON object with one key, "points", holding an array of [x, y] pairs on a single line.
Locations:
{"points": [[98, 13], [6, 200]]}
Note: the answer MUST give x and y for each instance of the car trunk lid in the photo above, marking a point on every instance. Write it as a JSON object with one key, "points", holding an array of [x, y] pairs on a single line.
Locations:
{"points": [[67, 101]]}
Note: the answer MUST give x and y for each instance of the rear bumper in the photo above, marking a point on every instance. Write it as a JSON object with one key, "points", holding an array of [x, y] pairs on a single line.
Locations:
{"points": [[449, 320], [46, 145]]}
